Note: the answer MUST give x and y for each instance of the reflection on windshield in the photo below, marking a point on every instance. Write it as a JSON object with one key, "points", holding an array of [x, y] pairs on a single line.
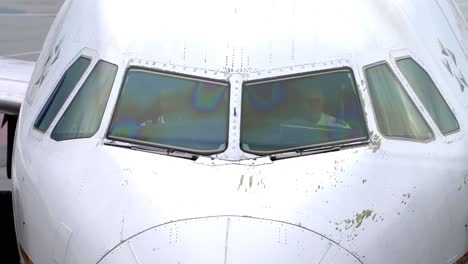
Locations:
{"points": [[165, 110], [314, 110]]}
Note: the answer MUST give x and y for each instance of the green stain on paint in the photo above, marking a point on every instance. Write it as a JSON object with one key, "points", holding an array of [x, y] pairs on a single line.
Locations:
{"points": [[375, 141], [362, 216], [241, 182]]}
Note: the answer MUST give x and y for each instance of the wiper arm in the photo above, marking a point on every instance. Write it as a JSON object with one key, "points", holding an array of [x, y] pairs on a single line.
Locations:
{"points": [[314, 150], [167, 151], [304, 152], [157, 150]]}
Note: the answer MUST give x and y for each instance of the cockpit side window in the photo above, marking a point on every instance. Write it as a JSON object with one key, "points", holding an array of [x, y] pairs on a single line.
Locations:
{"points": [[61, 93], [397, 116], [301, 112], [429, 95], [84, 114]]}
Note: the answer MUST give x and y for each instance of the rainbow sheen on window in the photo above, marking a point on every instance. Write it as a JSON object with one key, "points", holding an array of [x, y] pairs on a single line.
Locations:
{"points": [[170, 111], [267, 96], [299, 112], [207, 97]]}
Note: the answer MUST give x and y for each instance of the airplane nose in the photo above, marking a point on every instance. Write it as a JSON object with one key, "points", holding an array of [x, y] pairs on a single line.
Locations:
{"points": [[228, 239]]}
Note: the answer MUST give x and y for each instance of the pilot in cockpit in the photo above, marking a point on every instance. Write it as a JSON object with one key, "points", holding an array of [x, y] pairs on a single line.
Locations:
{"points": [[312, 105], [164, 111]]}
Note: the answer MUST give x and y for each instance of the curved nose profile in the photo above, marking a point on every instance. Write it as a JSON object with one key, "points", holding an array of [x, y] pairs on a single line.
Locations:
{"points": [[228, 239]]}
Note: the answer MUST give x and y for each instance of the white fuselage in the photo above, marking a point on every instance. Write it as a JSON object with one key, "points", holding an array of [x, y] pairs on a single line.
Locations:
{"points": [[389, 201]]}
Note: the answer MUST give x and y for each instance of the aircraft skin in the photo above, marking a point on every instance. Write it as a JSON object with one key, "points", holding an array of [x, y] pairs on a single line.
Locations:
{"points": [[387, 201]]}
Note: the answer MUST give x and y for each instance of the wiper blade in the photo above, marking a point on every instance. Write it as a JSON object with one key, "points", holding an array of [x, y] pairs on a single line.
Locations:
{"points": [[167, 151], [315, 150], [157, 150], [304, 152]]}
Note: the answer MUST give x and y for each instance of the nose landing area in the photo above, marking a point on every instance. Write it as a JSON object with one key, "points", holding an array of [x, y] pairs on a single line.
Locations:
{"points": [[229, 239]]}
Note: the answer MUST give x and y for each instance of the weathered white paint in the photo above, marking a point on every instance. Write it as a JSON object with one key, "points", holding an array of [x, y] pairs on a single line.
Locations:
{"points": [[389, 202]]}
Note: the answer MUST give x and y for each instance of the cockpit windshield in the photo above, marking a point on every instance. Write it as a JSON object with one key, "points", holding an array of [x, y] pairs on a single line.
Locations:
{"points": [[170, 111], [301, 112]]}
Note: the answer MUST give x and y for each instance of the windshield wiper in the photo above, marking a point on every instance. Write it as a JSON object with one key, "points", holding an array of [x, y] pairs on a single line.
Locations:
{"points": [[312, 151], [157, 150]]}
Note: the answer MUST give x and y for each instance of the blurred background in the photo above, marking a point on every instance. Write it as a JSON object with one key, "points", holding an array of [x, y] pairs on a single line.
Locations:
{"points": [[23, 27]]}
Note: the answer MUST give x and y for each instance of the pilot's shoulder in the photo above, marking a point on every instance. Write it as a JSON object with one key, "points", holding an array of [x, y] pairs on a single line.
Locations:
{"points": [[329, 120], [326, 119]]}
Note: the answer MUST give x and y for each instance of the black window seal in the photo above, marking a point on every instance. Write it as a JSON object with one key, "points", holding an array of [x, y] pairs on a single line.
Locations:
{"points": [[175, 75], [363, 140], [384, 62], [437, 88], [55, 90]]}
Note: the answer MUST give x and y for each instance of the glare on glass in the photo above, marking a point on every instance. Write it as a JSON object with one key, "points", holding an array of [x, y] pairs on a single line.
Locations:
{"points": [[300, 112], [172, 111]]}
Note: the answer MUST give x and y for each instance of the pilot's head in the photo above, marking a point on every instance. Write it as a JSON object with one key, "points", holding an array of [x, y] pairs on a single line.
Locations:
{"points": [[313, 100], [165, 102]]}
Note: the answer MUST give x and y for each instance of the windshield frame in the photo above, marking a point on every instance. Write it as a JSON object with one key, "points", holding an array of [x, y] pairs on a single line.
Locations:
{"points": [[340, 143], [177, 75]]}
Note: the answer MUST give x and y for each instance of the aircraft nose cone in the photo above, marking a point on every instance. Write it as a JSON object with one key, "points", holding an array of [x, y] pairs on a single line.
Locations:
{"points": [[228, 239]]}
